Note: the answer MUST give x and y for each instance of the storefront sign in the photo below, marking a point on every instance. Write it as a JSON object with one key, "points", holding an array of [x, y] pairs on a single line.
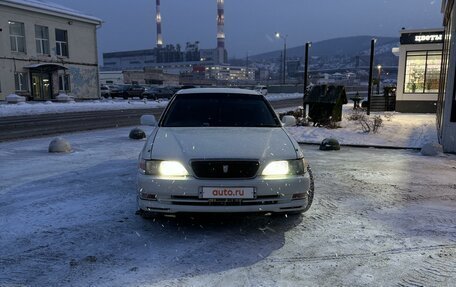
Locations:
{"points": [[429, 38], [422, 38]]}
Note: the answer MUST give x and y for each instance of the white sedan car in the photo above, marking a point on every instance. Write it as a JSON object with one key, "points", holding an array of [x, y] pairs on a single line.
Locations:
{"points": [[222, 150]]}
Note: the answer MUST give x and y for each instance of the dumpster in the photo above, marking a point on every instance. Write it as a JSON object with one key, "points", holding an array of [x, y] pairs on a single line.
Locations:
{"points": [[325, 104]]}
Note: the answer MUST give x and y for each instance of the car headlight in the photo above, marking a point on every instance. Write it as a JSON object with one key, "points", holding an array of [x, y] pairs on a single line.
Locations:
{"points": [[162, 168], [285, 167], [277, 168], [172, 168]]}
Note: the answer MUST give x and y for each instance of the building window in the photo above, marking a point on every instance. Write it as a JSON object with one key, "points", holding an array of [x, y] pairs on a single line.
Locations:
{"points": [[422, 72], [61, 42], [21, 81], [17, 36], [64, 83], [42, 39]]}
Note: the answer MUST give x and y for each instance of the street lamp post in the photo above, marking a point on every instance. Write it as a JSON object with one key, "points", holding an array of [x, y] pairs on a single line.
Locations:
{"points": [[247, 66], [284, 69], [379, 68], [306, 76], [371, 66]]}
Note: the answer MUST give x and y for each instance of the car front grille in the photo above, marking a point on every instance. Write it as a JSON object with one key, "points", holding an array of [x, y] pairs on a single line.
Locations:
{"points": [[225, 169]]}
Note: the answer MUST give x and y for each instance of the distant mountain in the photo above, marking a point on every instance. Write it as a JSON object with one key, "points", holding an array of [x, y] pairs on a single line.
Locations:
{"points": [[348, 46]]}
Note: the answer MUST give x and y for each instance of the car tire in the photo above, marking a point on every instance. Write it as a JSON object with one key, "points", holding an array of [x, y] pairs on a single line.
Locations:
{"points": [[125, 96], [147, 214], [310, 197], [311, 191]]}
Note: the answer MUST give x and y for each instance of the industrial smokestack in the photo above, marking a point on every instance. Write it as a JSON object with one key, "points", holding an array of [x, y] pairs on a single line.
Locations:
{"points": [[220, 31], [159, 25]]}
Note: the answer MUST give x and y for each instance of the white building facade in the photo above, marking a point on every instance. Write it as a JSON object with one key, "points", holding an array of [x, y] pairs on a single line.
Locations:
{"points": [[446, 107], [46, 49], [420, 59], [112, 78]]}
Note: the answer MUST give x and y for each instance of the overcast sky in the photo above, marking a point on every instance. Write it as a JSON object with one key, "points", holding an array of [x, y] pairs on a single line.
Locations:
{"points": [[250, 25]]}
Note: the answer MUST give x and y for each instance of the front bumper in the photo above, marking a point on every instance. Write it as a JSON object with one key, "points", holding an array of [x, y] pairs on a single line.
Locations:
{"points": [[174, 196]]}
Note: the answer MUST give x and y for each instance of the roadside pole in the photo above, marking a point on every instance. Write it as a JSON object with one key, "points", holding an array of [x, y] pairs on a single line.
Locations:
{"points": [[371, 66]]}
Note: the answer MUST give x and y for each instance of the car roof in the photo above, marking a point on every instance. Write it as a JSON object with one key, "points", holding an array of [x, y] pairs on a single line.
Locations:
{"points": [[217, 91]]}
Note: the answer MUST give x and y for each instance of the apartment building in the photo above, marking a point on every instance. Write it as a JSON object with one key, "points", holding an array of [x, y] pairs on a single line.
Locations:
{"points": [[47, 49]]}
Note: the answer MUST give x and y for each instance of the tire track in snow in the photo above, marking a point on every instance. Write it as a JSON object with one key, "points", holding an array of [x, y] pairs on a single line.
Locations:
{"points": [[324, 206], [448, 247], [436, 270]]}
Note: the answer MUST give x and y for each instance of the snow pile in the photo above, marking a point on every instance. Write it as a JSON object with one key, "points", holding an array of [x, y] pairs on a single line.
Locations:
{"points": [[64, 98], [432, 149], [31, 108], [14, 99], [399, 130]]}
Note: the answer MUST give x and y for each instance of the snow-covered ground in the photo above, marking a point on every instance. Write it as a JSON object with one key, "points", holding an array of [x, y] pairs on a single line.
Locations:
{"points": [[280, 97], [36, 108], [399, 130], [380, 218]]}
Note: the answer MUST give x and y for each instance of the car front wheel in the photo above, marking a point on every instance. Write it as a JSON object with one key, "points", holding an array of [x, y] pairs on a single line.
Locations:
{"points": [[310, 196], [147, 214], [310, 192]]}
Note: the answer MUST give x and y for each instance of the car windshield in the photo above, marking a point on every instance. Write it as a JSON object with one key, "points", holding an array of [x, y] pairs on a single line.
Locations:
{"points": [[220, 110]]}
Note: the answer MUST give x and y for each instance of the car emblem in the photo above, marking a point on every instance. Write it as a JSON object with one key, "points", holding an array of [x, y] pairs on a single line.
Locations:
{"points": [[225, 169]]}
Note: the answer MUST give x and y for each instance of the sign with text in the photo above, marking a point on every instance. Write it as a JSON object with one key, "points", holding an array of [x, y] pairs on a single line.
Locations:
{"points": [[228, 192], [422, 38]]}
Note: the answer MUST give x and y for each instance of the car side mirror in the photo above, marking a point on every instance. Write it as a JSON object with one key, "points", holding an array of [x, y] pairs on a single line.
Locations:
{"points": [[148, 120], [289, 121]]}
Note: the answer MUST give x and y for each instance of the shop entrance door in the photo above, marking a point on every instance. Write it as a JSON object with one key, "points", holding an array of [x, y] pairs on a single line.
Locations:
{"points": [[41, 86]]}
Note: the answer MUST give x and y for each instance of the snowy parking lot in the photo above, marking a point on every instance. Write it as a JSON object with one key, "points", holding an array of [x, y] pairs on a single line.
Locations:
{"points": [[380, 218]]}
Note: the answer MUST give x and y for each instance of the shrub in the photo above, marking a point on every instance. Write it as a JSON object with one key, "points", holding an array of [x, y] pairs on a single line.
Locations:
{"points": [[332, 125], [371, 124], [356, 115], [368, 124], [388, 116]]}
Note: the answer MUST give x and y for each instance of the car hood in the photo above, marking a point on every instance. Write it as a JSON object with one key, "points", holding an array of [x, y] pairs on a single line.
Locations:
{"points": [[185, 144]]}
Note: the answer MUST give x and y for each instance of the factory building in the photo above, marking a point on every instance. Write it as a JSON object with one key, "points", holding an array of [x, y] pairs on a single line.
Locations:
{"points": [[165, 57], [171, 59]]}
